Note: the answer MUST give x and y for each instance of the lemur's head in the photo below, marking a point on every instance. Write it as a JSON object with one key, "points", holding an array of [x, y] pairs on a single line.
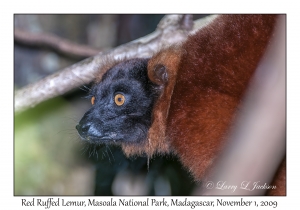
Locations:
{"points": [[122, 103]]}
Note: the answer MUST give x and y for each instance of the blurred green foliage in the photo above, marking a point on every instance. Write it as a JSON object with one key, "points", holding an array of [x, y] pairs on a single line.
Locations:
{"points": [[45, 149]]}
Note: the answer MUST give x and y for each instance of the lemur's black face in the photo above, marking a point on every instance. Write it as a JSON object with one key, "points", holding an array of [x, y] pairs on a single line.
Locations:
{"points": [[122, 105]]}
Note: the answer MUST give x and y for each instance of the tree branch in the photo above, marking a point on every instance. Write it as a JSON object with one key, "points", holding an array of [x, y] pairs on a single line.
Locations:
{"points": [[49, 40], [172, 29]]}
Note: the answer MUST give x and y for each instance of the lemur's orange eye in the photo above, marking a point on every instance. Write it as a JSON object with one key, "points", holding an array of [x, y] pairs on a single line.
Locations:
{"points": [[119, 99], [93, 100]]}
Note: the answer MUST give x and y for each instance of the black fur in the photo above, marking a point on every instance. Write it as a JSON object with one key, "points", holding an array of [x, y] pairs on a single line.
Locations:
{"points": [[106, 122]]}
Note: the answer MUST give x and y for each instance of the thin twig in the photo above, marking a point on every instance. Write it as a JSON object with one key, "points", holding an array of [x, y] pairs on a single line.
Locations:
{"points": [[59, 44]]}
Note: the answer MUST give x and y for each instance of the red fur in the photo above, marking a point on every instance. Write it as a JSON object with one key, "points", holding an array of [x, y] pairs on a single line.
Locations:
{"points": [[213, 76], [211, 73]]}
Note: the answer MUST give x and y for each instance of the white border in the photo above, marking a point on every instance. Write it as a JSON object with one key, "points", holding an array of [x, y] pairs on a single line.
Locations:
{"points": [[8, 201]]}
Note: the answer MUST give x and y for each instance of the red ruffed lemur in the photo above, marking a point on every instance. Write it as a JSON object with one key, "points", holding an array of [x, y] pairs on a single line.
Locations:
{"points": [[184, 98]]}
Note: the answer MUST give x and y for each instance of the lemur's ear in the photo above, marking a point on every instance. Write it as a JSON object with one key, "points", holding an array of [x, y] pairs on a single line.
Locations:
{"points": [[163, 66], [161, 74]]}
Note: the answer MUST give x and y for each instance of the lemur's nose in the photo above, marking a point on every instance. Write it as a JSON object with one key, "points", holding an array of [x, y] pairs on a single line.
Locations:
{"points": [[83, 129]]}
